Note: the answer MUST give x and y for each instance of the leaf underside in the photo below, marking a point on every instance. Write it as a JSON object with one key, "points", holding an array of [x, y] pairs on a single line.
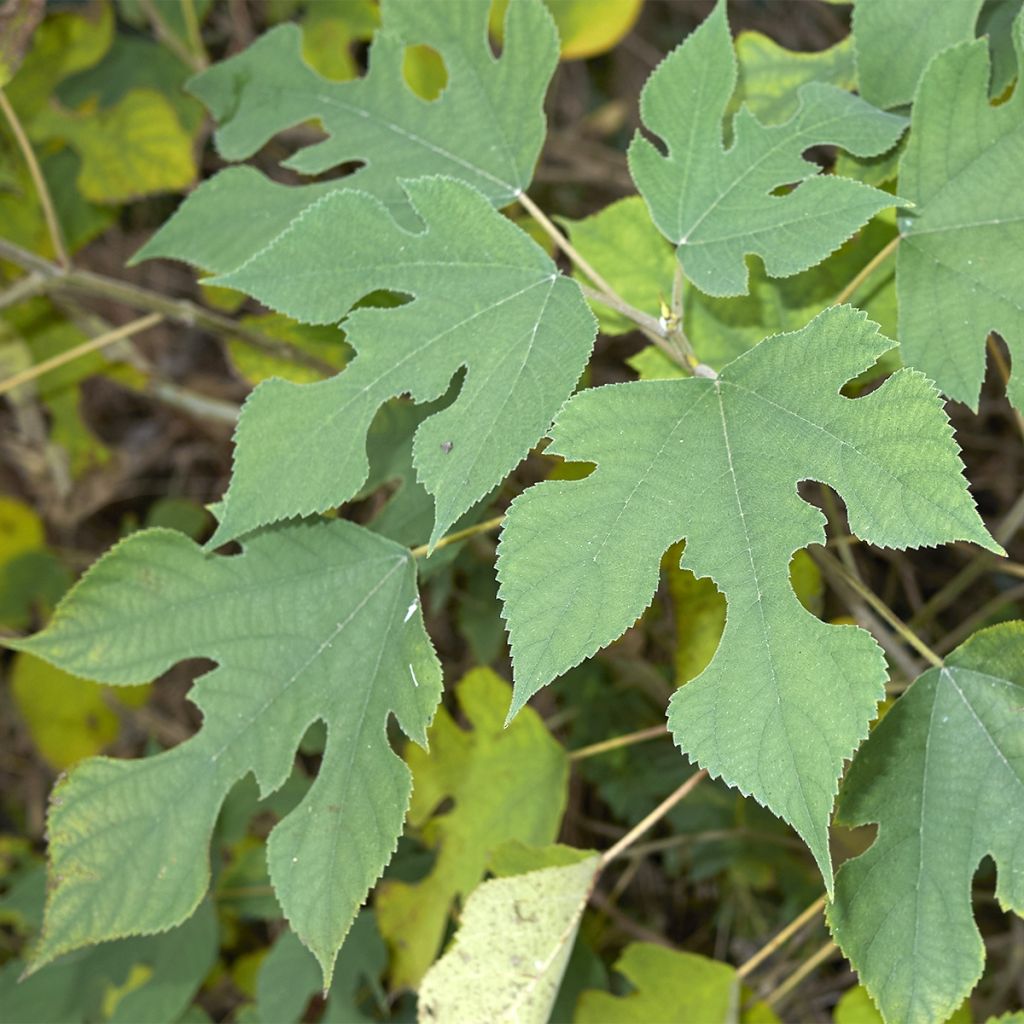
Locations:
{"points": [[943, 776], [314, 621], [787, 697]]}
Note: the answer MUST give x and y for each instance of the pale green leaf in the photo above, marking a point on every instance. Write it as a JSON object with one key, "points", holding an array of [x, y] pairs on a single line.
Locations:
{"points": [[717, 206], [511, 949], [943, 776], [895, 41], [487, 298], [522, 763], [787, 697], [670, 985], [960, 263], [855, 1007], [315, 621], [487, 127]]}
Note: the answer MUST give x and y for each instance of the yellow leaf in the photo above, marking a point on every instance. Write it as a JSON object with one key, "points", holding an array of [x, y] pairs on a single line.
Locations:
{"points": [[67, 717], [586, 27], [20, 529], [135, 148], [424, 71]]}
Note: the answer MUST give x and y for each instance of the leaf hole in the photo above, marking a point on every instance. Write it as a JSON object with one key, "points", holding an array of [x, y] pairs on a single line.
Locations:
{"points": [[424, 71]]}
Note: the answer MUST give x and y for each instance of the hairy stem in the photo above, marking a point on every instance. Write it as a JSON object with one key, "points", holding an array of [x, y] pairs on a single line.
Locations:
{"points": [[453, 538], [866, 271], [640, 736]]}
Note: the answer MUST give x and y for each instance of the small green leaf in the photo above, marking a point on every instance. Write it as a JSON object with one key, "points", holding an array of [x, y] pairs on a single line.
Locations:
{"points": [[959, 263], [522, 763], [717, 205], [943, 776], [895, 41], [787, 697], [511, 949], [315, 621], [486, 298], [669, 985]]}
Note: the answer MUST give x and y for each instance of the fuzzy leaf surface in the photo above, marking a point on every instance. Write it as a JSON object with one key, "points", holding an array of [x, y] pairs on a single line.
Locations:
{"points": [[522, 763], [961, 258], [487, 298], [787, 697], [943, 776], [314, 621], [716, 205], [895, 41], [510, 952], [486, 128]]}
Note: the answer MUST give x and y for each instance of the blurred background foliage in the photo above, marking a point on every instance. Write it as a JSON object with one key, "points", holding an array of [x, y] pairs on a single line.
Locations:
{"points": [[137, 435]]}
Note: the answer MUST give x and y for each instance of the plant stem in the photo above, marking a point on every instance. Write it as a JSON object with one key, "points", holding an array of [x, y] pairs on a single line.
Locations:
{"points": [[783, 937], [454, 538], [653, 733], [181, 311], [824, 558], [866, 271], [36, 173], [653, 818], [195, 37], [651, 327], [170, 39], [782, 990], [93, 345]]}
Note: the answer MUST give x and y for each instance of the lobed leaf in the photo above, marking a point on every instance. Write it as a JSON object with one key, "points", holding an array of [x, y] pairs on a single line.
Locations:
{"points": [[486, 128], [787, 697], [314, 621], [487, 299], [718, 206], [961, 254], [943, 776]]}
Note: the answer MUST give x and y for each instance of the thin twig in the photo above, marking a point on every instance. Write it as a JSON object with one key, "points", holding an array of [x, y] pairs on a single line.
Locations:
{"points": [[24, 288], [181, 311], [824, 558], [195, 37], [653, 733], [170, 39], [782, 990], [92, 345], [42, 189], [782, 938], [454, 538], [866, 271], [654, 817]]}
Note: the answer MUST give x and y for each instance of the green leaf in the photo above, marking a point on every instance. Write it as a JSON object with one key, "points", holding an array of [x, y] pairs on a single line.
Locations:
{"points": [[315, 621], [486, 129], [486, 770], [855, 1007], [959, 264], [487, 298], [787, 697], [895, 41], [717, 205], [669, 985], [499, 971], [943, 776], [289, 976], [18, 20]]}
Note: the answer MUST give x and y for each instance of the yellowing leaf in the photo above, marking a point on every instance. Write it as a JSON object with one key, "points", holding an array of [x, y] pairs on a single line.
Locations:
{"points": [[21, 529], [67, 717], [325, 342], [18, 19], [669, 985], [586, 28], [511, 949], [135, 148], [522, 764]]}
